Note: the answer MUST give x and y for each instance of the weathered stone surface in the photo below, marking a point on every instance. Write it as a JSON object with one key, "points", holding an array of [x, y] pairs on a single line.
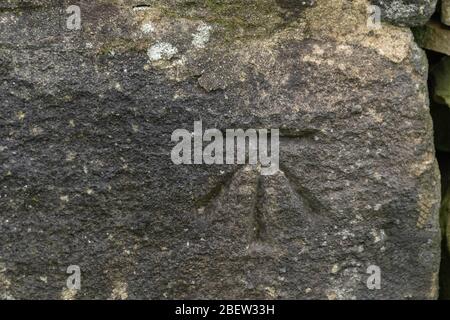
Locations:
{"points": [[433, 36], [86, 176], [445, 12], [406, 12]]}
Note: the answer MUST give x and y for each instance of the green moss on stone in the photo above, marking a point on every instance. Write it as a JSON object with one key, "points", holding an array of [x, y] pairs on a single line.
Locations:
{"points": [[123, 45], [237, 19]]}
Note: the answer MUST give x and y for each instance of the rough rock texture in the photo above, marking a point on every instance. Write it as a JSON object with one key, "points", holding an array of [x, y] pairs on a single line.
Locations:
{"points": [[406, 12], [445, 12], [433, 36], [86, 176]]}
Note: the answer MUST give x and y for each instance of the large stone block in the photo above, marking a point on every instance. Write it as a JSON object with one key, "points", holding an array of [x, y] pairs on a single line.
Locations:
{"points": [[445, 12], [407, 12], [434, 36], [87, 179]]}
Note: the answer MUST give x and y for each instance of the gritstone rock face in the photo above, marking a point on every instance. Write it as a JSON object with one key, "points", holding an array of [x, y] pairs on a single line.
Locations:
{"points": [[86, 176]]}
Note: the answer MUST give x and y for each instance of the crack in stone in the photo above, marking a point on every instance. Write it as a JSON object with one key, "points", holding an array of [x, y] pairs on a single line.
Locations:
{"points": [[258, 221]]}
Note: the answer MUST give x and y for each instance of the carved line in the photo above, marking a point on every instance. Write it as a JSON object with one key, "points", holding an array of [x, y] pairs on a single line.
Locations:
{"points": [[304, 194], [258, 221], [208, 199]]}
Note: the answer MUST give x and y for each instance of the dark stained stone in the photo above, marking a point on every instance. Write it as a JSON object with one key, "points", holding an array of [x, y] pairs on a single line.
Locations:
{"points": [[86, 176], [406, 12]]}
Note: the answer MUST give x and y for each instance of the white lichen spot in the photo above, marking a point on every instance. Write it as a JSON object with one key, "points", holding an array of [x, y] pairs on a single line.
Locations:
{"points": [[35, 130], [118, 87], [346, 49], [20, 115], [345, 234], [271, 292], [43, 279], [8, 19], [312, 59], [331, 295], [335, 269], [201, 37], [5, 285], [377, 176], [378, 236], [68, 294], [70, 156], [180, 62], [147, 28], [317, 50], [64, 198], [161, 51], [377, 117], [119, 291], [141, 8]]}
